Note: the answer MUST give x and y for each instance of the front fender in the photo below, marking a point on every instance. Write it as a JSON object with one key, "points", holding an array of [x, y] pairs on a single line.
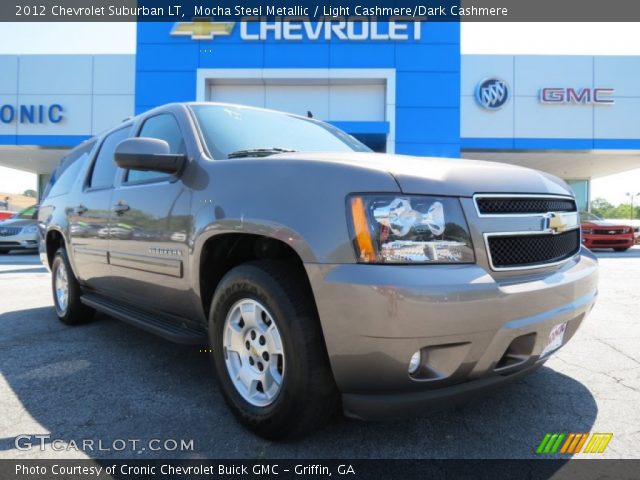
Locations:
{"points": [[208, 224]]}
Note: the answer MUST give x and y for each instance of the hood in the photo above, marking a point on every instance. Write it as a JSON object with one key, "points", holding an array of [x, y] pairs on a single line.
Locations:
{"points": [[17, 222], [602, 223], [445, 176]]}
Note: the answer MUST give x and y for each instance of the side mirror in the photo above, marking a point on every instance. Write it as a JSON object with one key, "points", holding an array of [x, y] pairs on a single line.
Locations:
{"points": [[150, 154]]}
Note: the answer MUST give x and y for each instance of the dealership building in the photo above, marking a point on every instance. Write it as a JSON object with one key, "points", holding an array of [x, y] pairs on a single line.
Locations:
{"points": [[399, 87]]}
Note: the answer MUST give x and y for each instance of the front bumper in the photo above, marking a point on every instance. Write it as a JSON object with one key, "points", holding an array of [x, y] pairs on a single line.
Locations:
{"points": [[19, 242], [379, 406], [476, 332], [608, 241]]}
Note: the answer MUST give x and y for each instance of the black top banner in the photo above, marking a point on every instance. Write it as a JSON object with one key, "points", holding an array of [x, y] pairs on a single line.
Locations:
{"points": [[316, 10]]}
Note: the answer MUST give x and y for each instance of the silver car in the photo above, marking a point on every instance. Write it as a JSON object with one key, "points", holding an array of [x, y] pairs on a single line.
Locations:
{"points": [[20, 232]]}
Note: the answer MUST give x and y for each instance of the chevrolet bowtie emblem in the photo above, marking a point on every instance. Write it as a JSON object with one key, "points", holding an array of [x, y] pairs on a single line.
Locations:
{"points": [[555, 223], [202, 29]]}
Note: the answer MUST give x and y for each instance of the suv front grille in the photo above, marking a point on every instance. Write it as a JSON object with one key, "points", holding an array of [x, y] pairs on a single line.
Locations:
{"points": [[522, 251], [9, 231], [608, 231], [523, 205]]}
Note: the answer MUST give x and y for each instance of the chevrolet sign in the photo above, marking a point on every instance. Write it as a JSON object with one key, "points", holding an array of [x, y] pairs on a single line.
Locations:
{"points": [[356, 28]]}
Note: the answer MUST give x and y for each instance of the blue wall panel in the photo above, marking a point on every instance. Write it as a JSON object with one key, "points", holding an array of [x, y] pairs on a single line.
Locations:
{"points": [[158, 88], [66, 141], [427, 73], [441, 32], [162, 57], [361, 55], [421, 57], [233, 55], [427, 89], [296, 55], [429, 149], [428, 125]]}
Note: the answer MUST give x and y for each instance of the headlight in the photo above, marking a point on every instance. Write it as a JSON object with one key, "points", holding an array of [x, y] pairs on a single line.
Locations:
{"points": [[409, 229], [587, 231], [30, 229]]}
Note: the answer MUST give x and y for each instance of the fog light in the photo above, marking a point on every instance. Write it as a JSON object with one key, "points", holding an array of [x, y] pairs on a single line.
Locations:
{"points": [[414, 363]]}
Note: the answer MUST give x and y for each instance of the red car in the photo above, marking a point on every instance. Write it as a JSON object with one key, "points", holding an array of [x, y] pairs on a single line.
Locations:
{"points": [[5, 214], [596, 233]]}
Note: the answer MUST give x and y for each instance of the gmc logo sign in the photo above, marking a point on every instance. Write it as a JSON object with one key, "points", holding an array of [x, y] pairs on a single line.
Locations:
{"points": [[578, 96]]}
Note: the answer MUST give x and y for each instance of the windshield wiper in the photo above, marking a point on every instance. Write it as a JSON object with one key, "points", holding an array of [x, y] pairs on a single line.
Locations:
{"points": [[259, 152]]}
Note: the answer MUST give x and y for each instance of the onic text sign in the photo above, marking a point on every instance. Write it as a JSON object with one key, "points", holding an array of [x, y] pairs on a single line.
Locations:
{"points": [[31, 114]]}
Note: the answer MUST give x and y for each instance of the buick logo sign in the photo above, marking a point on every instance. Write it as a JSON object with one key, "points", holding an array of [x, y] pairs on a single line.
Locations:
{"points": [[492, 93]]}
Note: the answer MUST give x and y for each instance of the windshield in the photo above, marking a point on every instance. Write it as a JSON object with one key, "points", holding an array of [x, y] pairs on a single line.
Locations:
{"points": [[234, 131], [589, 217], [29, 213]]}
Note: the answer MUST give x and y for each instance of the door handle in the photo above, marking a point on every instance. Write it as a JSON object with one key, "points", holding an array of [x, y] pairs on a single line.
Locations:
{"points": [[121, 208], [80, 209]]}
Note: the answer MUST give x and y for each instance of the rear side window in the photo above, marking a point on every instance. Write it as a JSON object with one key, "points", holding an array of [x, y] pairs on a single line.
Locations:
{"points": [[67, 172], [104, 168], [163, 127]]}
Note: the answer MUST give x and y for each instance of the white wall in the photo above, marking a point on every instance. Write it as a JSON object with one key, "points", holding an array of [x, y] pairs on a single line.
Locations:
{"points": [[339, 102], [96, 91], [525, 117]]}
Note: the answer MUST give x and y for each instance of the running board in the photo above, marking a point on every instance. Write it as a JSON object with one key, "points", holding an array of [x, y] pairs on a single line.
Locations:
{"points": [[158, 325]]}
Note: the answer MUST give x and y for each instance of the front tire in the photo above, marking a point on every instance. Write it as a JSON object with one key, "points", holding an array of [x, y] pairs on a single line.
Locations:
{"points": [[66, 292], [268, 351], [621, 249]]}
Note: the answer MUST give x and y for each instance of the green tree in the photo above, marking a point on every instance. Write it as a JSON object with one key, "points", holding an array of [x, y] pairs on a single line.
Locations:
{"points": [[602, 208], [621, 211]]}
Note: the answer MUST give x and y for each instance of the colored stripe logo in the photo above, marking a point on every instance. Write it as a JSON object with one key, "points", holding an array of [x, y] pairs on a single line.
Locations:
{"points": [[572, 443]]}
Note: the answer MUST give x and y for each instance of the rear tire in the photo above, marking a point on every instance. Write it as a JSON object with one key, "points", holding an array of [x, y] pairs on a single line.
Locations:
{"points": [[4, 252], [621, 249], [66, 292], [305, 396]]}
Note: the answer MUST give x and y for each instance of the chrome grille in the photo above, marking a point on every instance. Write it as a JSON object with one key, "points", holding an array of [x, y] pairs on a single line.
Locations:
{"points": [[540, 229], [608, 231], [9, 231], [525, 205], [522, 251]]}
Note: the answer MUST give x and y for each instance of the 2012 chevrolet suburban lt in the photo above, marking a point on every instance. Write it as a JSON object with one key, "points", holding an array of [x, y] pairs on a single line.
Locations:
{"points": [[322, 275]]}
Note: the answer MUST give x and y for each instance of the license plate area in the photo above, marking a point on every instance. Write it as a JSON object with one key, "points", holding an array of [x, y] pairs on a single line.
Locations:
{"points": [[555, 339]]}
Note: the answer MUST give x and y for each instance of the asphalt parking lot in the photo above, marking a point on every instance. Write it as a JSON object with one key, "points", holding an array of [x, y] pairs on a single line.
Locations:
{"points": [[107, 381]]}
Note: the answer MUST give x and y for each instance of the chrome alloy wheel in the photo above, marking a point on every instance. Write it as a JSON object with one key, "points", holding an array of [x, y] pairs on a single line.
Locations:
{"points": [[253, 352], [62, 288]]}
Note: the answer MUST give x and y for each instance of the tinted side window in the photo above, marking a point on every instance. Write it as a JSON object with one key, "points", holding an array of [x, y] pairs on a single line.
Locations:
{"points": [[104, 168], [164, 127], [67, 172]]}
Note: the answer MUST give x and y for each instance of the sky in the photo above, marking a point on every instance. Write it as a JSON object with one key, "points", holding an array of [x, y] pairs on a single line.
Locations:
{"points": [[476, 38]]}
